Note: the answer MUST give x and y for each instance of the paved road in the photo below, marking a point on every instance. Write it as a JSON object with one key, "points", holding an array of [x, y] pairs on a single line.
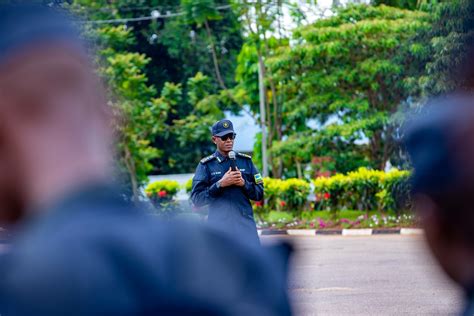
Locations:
{"points": [[373, 275]]}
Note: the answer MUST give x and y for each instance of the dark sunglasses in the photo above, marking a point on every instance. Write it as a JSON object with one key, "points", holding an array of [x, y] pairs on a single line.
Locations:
{"points": [[228, 136]]}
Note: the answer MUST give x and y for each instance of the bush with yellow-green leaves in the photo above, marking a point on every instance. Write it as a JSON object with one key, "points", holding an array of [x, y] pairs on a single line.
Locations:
{"points": [[188, 186], [162, 192], [364, 189], [284, 195]]}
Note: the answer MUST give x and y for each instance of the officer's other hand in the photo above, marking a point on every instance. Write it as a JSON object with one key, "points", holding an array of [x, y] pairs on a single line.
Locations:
{"points": [[239, 180], [228, 179]]}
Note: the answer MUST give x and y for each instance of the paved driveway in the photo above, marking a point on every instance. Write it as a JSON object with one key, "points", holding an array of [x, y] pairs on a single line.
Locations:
{"points": [[373, 275]]}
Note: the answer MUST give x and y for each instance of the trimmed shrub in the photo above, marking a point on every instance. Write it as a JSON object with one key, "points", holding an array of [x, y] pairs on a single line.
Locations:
{"points": [[162, 192], [285, 195], [364, 189], [395, 193], [294, 193], [188, 186]]}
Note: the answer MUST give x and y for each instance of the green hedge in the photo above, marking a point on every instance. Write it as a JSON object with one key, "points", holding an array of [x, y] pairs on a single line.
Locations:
{"points": [[162, 192], [364, 190], [188, 186], [286, 195]]}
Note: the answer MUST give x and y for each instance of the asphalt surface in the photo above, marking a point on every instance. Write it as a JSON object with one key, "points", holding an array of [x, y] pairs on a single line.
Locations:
{"points": [[373, 275]]}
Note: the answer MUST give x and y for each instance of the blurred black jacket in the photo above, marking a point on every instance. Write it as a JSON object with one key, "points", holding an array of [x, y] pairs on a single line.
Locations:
{"points": [[94, 254]]}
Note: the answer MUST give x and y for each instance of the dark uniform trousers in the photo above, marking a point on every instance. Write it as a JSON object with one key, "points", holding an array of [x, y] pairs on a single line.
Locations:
{"points": [[230, 209]]}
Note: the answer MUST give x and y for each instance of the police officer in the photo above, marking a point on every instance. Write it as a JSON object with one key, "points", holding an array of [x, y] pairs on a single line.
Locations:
{"points": [[228, 192]]}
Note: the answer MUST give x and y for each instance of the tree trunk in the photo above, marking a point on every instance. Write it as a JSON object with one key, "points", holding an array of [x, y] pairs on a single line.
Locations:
{"points": [[299, 169], [214, 57], [130, 164], [378, 154]]}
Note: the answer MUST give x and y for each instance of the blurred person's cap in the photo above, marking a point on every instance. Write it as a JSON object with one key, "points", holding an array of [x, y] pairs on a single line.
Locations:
{"points": [[222, 127], [24, 25], [438, 139]]}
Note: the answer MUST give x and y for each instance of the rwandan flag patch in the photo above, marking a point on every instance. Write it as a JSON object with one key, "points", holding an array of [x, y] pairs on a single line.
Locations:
{"points": [[258, 178]]}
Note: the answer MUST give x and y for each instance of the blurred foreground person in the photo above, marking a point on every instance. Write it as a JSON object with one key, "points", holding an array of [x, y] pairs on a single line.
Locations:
{"points": [[79, 248], [441, 145]]}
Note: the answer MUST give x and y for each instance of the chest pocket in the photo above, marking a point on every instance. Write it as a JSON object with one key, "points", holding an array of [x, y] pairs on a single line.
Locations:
{"points": [[216, 175]]}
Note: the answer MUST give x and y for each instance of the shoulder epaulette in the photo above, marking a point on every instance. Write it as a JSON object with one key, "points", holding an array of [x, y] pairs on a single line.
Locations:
{"points": [[244, 155], [207, 159]]}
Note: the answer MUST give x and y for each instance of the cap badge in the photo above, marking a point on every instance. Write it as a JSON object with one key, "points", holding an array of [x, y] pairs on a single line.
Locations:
{"points": [[225, 124]]}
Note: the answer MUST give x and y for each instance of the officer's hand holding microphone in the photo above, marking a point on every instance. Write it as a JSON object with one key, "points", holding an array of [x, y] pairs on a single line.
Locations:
{"points": [[232, 178]]}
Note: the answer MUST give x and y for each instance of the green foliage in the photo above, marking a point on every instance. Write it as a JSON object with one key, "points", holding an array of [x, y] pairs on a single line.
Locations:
{"points": [[175, 49], [279, 219], [139, 114], [364, 190], [290, 195], [169, 186], [200, 11], [449, 41], [196, 126], [395, 194], [348, 74], [188, 186], [162, 194], [404, 4], [333, 88]]}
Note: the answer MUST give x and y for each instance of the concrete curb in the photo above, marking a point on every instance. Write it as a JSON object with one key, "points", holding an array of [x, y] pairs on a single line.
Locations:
{"points": [[268, 232], [411, 231], [356, 232], [301, 232], [385, 231], [328, 231], [342, 232]]}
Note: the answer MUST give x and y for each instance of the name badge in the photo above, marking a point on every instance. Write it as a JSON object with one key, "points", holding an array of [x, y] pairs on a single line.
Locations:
{"points": [[242, 169], [216, 173]]}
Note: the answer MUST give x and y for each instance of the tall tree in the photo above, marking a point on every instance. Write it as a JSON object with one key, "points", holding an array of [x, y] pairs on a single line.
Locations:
{"points": [[177, 48], [450, 39], [139, 114], [348, 74]]}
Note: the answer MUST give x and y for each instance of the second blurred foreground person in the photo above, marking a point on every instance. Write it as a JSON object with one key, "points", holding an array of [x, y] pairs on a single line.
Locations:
{"points": [[441, 145], [79, 248]]}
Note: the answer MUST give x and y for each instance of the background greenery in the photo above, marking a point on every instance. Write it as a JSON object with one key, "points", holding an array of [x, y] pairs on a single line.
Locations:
{"points": [[337, 85]]}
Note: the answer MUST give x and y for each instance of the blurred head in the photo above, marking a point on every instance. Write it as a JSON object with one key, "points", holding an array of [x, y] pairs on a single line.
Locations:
{"points": [[223, 136], [53, 128], [441, 145]]}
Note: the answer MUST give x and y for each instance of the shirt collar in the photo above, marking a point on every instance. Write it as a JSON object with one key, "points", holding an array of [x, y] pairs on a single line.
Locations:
{"points": [[220, 158]]}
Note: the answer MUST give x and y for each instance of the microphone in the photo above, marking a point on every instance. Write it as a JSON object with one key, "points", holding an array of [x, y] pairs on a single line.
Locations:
{"points": [[232, 160]]}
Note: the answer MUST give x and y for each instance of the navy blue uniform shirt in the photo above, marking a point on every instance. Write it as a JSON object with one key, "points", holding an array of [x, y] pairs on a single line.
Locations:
{"points": [[229, 208]]}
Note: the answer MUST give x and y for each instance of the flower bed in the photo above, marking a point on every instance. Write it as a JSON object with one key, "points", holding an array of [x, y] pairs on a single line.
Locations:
{"points": [[360, 199], [162, 193], [325, 220]]}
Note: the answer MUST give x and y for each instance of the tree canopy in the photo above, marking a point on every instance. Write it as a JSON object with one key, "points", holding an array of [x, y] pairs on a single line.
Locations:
{"points": [[334, 89]]}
